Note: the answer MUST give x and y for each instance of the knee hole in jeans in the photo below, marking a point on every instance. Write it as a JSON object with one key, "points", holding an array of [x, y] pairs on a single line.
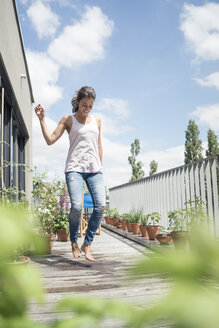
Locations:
{"points": [[76, 207], [100, 209]]}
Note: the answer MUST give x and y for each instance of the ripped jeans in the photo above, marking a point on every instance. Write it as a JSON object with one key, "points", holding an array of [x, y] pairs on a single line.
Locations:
{"points": [[95, 185]]}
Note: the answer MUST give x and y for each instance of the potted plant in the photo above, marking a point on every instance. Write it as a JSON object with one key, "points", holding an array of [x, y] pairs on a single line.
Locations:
{"points": [[124, 221], [18, 257], [61, 220], [108, 215], [195, 213], [45, 208], [118, 224], [129, 221], [153, 226], [136, 216], [143, 226], [115, 216], [164, 238], [178, 225]]}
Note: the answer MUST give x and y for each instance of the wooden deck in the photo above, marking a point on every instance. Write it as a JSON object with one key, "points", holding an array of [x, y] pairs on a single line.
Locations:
{"points": [[64, 276]]}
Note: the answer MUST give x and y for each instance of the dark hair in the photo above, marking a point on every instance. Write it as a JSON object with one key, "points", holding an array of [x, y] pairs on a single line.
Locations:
{"points": [[83, 92]]}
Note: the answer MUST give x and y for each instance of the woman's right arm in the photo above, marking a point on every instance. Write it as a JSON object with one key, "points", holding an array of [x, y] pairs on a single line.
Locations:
{"points": [[57, 133]]}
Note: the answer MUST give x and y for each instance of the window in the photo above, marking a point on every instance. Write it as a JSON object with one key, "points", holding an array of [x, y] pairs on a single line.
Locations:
{"points": [[15, 136]]}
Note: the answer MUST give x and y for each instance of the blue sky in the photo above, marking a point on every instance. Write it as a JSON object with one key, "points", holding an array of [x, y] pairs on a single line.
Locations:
{"points": [[153, 64]]}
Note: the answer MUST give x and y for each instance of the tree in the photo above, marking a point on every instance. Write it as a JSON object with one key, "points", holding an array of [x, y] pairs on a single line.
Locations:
{"points": [[137, 171], [213, 145], [153, 167], [193, 145]]}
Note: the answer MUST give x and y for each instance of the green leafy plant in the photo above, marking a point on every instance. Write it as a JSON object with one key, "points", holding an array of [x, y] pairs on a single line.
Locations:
{"points": [[136, 215], [108, 212], [61, 219], [191, 300], [144, 220], [177, 221], [125, 216], [154, 218], [195, 212], [13, 198], [137, 171], [17, 283], [46, 202], [115, 213]]}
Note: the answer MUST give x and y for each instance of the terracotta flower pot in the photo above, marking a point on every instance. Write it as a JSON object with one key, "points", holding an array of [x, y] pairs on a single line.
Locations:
{"points": [[107, 219], [21, 260], [143, 231], [164, 239], [112, 220], [180, 238], [129, 226], [62, 235], [152, 231], [124, 225], [115, 220], [135, 228], [118, 225]]}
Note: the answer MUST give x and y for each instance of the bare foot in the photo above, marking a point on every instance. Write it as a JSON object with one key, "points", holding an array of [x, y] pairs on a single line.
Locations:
{"points": [[87, 250], [75, 250]]}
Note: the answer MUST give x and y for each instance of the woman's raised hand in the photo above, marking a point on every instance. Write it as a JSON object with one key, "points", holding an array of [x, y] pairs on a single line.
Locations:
{"points": [[40, 112]]}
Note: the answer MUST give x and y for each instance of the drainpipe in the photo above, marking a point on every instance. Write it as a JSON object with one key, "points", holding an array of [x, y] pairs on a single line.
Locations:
{"points": [[2, 137]]}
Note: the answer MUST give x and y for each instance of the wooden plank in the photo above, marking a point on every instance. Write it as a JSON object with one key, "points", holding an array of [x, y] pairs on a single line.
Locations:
{"points": [[65, 276]]}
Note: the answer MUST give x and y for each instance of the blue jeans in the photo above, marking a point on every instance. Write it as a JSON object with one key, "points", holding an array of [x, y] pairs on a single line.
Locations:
{"points": [[95, 185]]}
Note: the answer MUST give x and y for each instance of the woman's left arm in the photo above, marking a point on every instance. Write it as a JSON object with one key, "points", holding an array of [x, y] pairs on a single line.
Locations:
{"points": [[99, 141]]}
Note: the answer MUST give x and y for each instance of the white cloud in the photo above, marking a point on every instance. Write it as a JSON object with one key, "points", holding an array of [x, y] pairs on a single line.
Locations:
{"points": [[50, 158], [167, 159], [115, 176], [82, 42], [200, 26], [117, 170], [43, 19], [211, 80], [208, 115], [112, 125], [115, 152], [113, 106], [44, 76], [115, 162], [112, 112]]}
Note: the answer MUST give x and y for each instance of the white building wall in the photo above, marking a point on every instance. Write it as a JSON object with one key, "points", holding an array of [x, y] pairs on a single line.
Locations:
{"points": [[12, 53]]}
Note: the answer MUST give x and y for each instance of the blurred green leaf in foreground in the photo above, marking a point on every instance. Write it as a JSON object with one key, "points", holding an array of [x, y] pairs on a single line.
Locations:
{"points": [[191, 301], [18, 283]]}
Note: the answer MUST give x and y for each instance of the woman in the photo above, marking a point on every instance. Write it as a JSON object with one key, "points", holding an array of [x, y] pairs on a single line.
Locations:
{"points": [[84, 163]]}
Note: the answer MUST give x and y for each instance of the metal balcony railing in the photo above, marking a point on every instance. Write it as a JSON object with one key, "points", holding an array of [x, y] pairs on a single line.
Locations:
{"points": [[169, 190]]}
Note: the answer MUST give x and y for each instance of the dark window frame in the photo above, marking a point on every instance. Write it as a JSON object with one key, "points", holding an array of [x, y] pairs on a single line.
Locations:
{"points": [[15, 133]]}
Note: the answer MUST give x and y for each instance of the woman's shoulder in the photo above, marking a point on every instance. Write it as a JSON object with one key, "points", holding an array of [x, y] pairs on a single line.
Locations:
{"points": [[67, 121]]}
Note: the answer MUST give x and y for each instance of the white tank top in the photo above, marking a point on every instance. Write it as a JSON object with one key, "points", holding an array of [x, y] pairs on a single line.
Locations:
{"points": [[83, 154]]}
